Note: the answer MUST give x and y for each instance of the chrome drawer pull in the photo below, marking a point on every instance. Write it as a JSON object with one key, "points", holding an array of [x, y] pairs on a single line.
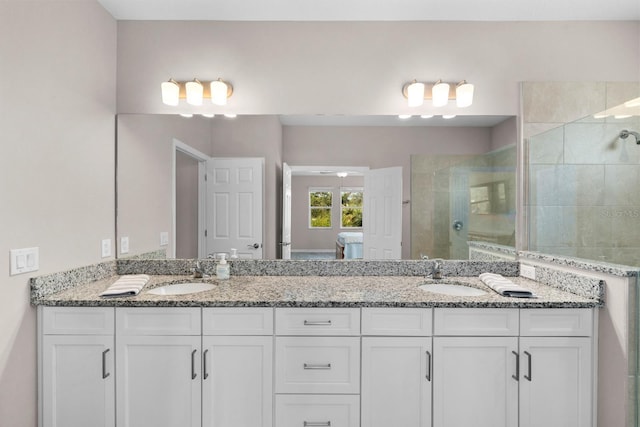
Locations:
{"points": [[105, 374], [316, 424], [528, 377], [317, 323], [517, 374], [314, 366], [428, 376], [205, 374], [193, 364]]}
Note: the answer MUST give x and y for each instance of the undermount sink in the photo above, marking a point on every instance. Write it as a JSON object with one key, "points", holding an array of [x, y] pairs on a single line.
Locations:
{"points": [[452, 288], [181, 288]]}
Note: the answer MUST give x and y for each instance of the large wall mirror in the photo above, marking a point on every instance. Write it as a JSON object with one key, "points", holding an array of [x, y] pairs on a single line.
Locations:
{"points": [[457, 183]]}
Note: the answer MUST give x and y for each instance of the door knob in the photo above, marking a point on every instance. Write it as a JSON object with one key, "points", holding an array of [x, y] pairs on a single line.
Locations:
{"points": [[254, 246]]}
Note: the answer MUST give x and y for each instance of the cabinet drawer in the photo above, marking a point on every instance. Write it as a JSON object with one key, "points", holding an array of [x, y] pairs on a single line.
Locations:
{"points": [[476, 321], [237, 321], [317, 365], [318, 321], [317, 411], [556, 322], [158, 321], [415, 322], [77, 320]]}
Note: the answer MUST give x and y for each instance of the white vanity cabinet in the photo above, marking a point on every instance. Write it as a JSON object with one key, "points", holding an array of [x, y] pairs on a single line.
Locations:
{"points": [[556, 368], [158, 367], [76, 367], [237, 367], [397, 367], [317, 367], [511, 367]]}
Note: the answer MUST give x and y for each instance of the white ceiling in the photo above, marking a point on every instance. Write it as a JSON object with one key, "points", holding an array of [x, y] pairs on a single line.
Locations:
{"points": [[374, 10], [458, 121]]}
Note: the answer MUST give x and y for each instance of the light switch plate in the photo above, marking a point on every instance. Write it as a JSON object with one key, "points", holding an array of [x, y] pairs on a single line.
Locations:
{"points": [[106, 248], [24, 260], [124, 245], [164, 238], [528, 271]]}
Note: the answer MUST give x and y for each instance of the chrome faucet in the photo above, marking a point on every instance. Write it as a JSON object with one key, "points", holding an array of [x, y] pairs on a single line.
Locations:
{"points": [[198, 271], [436, 270]]}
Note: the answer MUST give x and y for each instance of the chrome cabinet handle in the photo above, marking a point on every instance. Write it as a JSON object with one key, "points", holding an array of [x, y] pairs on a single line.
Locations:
{"points": [[428, 376], [317, 323], [205, 374], [193, 364], [316, 424], [316, 366], [528, 377], [517, 374], [105, 374]]}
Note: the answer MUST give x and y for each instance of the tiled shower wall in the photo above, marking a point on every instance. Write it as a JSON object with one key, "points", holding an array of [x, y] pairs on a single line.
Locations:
{"points": [[583, 180]]}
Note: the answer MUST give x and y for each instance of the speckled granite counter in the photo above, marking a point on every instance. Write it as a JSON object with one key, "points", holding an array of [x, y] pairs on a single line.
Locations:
{"points": [[315, 291]]}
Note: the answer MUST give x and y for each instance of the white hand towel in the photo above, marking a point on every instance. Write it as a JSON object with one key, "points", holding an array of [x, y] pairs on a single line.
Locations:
{"points": [[504, 286], [126, 286]]}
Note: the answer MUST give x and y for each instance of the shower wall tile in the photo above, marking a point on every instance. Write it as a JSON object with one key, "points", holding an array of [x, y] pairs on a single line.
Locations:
{"points": [[597, 143], [623, 187], [621, 92], [625, 229], [561, 102], [530, 130], [593, 227], [553, 226], [566, 185], [547, 147]]}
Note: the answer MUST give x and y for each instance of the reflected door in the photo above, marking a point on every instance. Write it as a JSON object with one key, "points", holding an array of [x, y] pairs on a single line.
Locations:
{"points": [[285, 242], [235, 206], [382, 214]]}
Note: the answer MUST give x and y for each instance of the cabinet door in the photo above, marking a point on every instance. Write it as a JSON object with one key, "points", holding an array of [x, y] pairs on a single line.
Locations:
{"points": [[473, 382], [158, 381], [396, 382], [556, 382], [237, 381], [77, 381]]}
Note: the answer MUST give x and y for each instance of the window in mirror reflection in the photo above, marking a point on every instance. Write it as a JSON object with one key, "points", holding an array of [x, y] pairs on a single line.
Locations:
{"points": [[489, 198], [320, 205], [351, 207]]}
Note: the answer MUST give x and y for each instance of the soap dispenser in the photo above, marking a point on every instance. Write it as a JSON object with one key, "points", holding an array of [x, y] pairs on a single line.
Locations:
{"points": [[222, 269]]}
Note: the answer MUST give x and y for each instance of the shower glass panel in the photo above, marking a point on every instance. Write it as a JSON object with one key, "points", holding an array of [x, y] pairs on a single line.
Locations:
{"points": [[471, 199], [584, 190]]}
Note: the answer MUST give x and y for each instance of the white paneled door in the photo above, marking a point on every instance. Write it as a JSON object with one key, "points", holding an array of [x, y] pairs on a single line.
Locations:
{"points": [[382, 214], [235, 206]]}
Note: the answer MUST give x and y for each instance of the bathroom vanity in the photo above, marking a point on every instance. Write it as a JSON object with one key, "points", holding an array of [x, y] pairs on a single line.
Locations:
{"points": [[317, 351]]}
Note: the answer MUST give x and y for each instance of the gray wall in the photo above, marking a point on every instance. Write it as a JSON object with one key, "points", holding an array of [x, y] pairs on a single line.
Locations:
{"points": [[57, 107]]}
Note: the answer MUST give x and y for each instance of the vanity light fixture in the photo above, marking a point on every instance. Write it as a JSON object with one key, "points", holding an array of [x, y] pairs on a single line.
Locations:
{"points": [[195, 91], [439, 93]]}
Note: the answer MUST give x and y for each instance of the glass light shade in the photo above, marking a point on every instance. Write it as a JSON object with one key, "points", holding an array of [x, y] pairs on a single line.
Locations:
{"points": [[195, 92], [170, 92], [464, 94], [440, 94], [415, 94], [218, 92]]}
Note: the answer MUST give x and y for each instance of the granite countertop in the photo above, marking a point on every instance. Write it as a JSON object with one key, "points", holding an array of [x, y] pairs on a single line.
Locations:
{"points": [[315, 291]]}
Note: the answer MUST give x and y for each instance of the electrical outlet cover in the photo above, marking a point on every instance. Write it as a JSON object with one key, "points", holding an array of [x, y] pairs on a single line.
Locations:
{"points": [[528, 271], [124, 245], [106, 248], [24, 260]]}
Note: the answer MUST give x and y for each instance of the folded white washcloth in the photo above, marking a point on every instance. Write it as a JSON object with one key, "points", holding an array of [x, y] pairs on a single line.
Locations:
{"points": [[126, 286], [504, 286]]}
